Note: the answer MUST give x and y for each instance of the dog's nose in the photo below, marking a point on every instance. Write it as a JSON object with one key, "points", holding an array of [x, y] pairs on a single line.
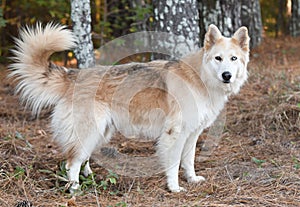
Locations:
{"points": [[226, 77]]}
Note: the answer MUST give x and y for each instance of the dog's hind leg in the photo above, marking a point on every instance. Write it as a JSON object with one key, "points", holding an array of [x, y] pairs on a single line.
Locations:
{"points": [[170, 146], [89, 139], [80, 155], [73, 169], [188, 159]]}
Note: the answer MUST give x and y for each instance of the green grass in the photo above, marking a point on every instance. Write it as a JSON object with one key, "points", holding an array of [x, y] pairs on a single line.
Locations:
{"points": [[258, 162]]}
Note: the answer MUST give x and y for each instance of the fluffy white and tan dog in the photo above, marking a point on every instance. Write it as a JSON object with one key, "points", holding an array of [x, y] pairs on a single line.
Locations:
{"points": [[170, 101]]}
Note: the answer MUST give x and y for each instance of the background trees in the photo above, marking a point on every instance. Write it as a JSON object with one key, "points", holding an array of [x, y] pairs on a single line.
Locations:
{"points": [[114, 18]]}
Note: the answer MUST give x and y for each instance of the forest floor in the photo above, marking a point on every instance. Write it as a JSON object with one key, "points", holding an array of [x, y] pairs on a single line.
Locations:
{"points": [[257, 162]]}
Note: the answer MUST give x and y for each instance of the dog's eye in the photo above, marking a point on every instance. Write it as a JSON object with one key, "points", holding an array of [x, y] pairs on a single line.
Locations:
{"points": [[233, 58], [218, 58]]}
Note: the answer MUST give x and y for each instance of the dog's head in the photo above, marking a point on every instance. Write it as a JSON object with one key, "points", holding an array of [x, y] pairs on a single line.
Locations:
{"points": [[226, 59]]}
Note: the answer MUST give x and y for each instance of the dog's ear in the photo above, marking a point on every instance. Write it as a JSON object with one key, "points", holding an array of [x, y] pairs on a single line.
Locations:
{"points": [[242, 37], [212, 35]]}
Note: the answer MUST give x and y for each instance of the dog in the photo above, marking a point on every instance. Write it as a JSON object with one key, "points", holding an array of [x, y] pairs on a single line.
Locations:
{"points": [[169, 101]]}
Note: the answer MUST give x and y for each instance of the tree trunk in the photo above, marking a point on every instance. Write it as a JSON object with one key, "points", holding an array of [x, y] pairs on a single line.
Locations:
{"points": [[180, 19], [225, 14], [229, 15], [210, 13], [251, 18], [81, 18], [295, 18], [281, 23]]}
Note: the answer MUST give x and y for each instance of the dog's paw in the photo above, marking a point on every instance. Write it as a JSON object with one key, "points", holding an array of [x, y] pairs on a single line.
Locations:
{"points": [[177, 190], [74, 188], [196, 179]]}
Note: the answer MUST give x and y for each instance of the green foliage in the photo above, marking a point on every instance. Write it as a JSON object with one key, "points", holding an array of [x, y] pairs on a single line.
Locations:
{"points": [[59, 10], [2, 20], [120, 204], [2, 24], [108, 182], [60, 175], [120, 17], [138, 17], [258, 162], [296, 163], [19, 172], [110, 19], [87, 183], [14, 14], [275, 17], [30, 11], [63, 172]]}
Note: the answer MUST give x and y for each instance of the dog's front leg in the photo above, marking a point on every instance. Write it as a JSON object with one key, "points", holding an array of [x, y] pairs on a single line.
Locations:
{"points": [[170, 147], [188, 158]]}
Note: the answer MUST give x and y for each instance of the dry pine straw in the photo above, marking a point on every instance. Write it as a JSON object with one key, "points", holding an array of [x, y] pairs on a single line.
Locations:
{"points": [[256, 163]]}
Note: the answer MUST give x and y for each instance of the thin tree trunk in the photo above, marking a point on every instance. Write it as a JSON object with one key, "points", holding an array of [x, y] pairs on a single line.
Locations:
{"points": [[81, 18], [281, 24], [295, 18]]}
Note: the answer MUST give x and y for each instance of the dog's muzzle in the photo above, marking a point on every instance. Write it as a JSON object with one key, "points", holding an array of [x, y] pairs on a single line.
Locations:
{"points": [[226, 77]]}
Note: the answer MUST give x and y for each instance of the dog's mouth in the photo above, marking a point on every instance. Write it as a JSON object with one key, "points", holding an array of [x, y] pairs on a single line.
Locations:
{"points": [[226, 81]]}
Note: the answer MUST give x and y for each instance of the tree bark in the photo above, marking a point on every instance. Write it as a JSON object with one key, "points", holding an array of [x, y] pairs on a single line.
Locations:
{"points": [[225, 14], [251, 18], [210, 13], [281, 23], [81, 18], [229, 15], [180, 18], [295, 18]]}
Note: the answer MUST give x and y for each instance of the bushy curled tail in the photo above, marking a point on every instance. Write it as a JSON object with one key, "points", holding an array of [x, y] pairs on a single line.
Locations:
{"points": [[40, 83]]}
